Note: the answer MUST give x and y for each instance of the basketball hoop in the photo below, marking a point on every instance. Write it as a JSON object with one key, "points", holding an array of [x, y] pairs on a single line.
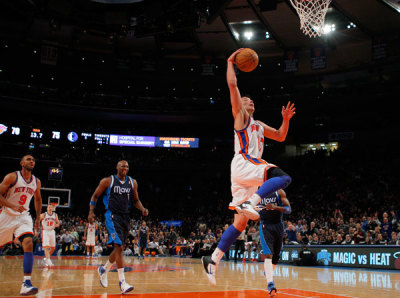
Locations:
{"points": [[54, 205], [312, 15]]}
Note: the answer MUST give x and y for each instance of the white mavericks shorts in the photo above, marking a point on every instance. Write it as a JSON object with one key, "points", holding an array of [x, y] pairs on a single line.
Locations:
{"points": [[247, 175], [48, 238], [16, 225]]}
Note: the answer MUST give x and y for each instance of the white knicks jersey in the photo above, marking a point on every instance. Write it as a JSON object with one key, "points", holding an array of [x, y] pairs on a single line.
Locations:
{"points": [[91, 230], [21, 193], [249, 141], [49, 221]]}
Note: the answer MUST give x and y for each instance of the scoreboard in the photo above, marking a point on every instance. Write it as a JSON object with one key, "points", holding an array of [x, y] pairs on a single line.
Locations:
{"points": [[177, 142], [151, 141], [57, 135]]}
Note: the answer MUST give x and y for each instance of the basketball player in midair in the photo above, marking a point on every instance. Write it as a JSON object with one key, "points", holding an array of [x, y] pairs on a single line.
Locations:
{"points": [[271, 209], [49, 221], [248, 171], [143, 238], [120, 193], [90, 236], [16, 192]]}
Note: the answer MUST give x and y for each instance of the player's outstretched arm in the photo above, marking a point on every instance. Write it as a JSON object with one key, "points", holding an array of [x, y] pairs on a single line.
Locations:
{"points": [[9, 180], [103, 185], [136, 201], [280, 134], [236, 102]]}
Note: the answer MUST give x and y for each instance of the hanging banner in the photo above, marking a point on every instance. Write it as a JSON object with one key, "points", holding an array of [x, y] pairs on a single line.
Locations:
{"points": [[291, 61], [48, 55], [318, 58]]}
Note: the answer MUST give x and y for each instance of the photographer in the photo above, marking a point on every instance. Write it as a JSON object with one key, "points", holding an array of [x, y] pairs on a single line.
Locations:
{"points": [[306, 257]]}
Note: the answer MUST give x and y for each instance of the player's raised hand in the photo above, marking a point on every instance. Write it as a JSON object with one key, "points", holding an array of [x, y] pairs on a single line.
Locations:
{"points": [[288, 111], [232, 57], [145, 212]]}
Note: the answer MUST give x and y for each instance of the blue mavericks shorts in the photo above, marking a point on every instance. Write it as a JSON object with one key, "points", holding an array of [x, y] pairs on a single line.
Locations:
{"points": [[117, 226], [271, 236]]}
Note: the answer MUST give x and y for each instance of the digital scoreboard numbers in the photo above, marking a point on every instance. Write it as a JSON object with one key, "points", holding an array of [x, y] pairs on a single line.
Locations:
{"points": [[15, 130], [55, 135], [36, 133], [101, 139], [171, 142]]}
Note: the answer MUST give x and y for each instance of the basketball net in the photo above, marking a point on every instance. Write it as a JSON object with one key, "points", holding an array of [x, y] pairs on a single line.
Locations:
{"points": [[54, 205], [312, 15]]}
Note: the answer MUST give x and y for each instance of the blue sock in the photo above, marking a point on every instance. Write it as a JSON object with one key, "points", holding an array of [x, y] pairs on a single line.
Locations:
{"points": [[28, 262], [273, 184], [228, 237]]}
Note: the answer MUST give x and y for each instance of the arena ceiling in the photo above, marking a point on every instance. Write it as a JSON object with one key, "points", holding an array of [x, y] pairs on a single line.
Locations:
{"points": [[198, 29]]}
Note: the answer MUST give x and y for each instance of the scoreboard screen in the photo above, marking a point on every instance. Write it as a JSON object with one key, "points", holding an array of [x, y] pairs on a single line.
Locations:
{"points": [[172, 142], [55, 174], [134, 141], [54, 134]]}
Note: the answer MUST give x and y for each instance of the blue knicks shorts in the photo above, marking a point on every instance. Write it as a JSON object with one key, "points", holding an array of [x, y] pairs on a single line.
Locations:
{"points": [[117, 226], [271, 237]]}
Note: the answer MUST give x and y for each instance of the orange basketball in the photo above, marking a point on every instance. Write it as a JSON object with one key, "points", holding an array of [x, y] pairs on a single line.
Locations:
{"points": [[246, 60]]}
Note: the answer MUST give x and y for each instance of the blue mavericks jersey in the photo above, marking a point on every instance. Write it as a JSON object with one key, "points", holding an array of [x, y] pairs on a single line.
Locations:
{"points": [[118, 197], [143, 232], [271, 216]]}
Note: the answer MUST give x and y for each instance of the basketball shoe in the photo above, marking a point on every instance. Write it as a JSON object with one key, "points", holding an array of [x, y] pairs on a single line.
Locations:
{"points": [[103, 276], [210, 268], [125, 287], [49, 263], [271, 289], [247, 209], [45, 263], [27, 289]]}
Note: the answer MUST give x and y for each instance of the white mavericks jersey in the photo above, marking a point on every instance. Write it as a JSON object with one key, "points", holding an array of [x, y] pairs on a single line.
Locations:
{"points": [[249, 141], [21, 193], [49, 221], [91, 232]]}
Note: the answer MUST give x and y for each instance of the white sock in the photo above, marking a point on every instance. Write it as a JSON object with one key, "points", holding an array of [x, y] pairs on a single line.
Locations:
{"points": [[121, 274], [27, 277], [255, 199], [217, 255], [108, 265], [269, 271]]}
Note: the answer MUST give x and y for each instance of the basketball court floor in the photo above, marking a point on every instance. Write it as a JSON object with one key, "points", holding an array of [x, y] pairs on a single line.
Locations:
{"points": [[184, 277]]}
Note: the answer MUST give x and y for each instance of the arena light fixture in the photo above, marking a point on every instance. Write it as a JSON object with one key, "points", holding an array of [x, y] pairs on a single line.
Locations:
{"points": [[248, 34], [328, 28]]}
